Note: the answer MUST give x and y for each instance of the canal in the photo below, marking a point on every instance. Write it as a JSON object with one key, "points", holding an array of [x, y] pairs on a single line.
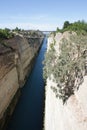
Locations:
{"points": [[28, 114]]}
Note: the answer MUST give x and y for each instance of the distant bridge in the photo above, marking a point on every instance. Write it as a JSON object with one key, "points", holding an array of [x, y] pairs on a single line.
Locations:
{"points": [[47, 31]]}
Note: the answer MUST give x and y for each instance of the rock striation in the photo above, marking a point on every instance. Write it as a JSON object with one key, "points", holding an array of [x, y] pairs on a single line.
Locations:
{"points": [[17, 57], [72, 114]]}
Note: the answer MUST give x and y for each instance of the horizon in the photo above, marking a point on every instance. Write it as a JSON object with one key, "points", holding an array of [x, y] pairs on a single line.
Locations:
{"points": [[42, 15]]}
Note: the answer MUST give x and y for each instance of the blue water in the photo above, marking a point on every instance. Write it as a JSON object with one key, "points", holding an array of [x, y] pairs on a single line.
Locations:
{"points": [[29, 110]]}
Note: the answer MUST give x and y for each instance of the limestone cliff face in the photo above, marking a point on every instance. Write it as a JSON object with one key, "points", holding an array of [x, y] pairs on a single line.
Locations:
{"points": [[73, 114], [16, 60], [70, 116]]}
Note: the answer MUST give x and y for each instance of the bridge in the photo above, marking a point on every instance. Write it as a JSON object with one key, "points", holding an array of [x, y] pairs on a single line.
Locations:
{"points": [[47, 32]]}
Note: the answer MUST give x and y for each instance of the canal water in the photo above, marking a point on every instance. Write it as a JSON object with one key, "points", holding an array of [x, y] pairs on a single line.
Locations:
{"points": [[28, 114]]}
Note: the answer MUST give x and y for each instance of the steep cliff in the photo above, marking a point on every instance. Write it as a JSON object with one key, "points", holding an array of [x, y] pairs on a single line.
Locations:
{"points": [[17, 56], [66, 83]]}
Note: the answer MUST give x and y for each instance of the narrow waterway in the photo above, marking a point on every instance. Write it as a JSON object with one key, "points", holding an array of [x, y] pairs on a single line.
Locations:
{"points": [[28, 114]]}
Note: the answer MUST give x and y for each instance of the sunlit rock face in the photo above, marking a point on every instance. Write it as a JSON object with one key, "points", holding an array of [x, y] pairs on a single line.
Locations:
{"points": [[73, 113], [16, 62]]}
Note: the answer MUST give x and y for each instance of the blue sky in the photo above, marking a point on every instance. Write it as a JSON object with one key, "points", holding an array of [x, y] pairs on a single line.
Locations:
{"points": [[41, 14]]}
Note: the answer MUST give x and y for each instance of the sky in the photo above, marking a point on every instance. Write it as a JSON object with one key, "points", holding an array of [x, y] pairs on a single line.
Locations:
{"points": [[41, 14]]}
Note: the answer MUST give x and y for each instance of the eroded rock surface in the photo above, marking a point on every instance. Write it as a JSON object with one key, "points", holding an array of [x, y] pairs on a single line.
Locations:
{"points": [[73, 114], [16, 61]]}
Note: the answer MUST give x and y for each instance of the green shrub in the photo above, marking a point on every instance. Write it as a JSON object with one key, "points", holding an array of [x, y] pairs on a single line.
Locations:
{"points": [[80, 27], [5, 34], [68, 66]]}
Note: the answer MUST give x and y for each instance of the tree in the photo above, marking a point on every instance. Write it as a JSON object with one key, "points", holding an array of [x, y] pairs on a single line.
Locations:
{"points": [[17, 29], [66, 24], [57, 30]]}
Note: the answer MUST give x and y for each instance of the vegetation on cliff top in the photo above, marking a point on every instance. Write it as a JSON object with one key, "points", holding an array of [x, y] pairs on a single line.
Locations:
{"points": [[80, 27], [5, 34], [32, 36]]}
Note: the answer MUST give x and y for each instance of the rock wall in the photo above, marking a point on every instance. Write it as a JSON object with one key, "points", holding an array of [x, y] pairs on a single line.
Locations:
{"points": [[73, 114], [8, 87], [70, 116], [17, 57]]}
